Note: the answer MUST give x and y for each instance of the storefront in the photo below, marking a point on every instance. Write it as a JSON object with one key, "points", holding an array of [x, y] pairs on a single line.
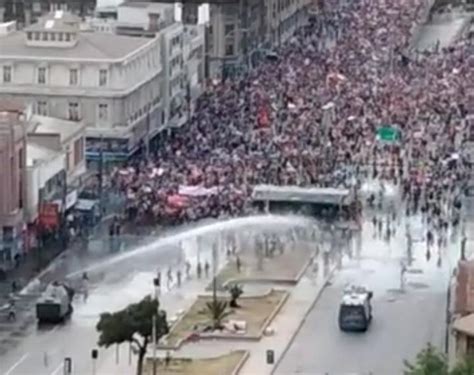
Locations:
{"points": [[109, 151]]}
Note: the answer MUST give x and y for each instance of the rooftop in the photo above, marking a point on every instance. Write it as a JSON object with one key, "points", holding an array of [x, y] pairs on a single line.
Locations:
{"points": [[37, 152], [90, 46], [144, 5], [58, 20], [298, 194], [12, 105], [51, 125]]}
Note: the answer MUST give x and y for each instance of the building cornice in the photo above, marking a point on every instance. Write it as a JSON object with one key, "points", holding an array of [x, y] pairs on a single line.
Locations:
{"points": [[122, 60], [86, 92]]}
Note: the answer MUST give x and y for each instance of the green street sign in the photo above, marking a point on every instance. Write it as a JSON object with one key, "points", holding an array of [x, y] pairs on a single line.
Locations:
{"points": [[388, 134]]}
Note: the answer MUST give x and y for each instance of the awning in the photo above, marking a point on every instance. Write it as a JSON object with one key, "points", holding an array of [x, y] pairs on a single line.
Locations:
{"points": [[86, 204], [465, 325]]}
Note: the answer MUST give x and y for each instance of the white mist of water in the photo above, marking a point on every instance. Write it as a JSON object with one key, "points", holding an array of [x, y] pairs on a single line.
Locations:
{"points": [[264, 222]]}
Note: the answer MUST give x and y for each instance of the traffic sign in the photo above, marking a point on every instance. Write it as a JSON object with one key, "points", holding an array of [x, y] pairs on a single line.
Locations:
{"points": [[388, 134]]}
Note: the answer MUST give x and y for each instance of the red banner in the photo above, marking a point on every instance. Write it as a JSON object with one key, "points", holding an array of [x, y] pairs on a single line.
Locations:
{"points": [[263, 118], [49, 215]]}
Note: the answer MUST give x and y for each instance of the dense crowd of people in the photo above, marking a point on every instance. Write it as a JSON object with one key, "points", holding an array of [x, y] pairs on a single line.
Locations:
{"points": [[312, 109]]}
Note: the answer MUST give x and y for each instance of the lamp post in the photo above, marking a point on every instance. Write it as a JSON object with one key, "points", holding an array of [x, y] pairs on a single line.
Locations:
{"points": [[156, 284], [214, 272]]}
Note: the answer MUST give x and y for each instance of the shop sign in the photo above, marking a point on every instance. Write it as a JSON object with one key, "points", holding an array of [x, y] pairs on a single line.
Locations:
{"points": [[71, 199], [49, 215]]}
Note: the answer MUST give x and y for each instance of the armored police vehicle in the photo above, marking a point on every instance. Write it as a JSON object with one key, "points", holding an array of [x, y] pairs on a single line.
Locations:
{"points": [[55, 304], [355, 311]]}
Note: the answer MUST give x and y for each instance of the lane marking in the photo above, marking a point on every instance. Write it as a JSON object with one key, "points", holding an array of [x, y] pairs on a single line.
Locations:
{"points": [[59, 368], [18, 363]]}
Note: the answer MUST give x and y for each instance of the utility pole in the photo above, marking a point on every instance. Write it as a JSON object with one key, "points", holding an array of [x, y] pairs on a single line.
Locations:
{"points": [[244, 31], [101, 175], [147, 135], [64, 233], [153, 334], [279, 8], [214, 273]]}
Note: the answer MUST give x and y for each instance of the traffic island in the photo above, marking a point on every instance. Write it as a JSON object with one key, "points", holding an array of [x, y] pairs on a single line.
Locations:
{"points": [[286, 267], [252, 317], [228, 364]]}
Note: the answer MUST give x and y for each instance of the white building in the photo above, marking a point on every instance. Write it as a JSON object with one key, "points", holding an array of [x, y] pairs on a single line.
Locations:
{"points": [[55, 162], [44, 172], [62, 135], [194, 55], [182, 52], [109, 82]]}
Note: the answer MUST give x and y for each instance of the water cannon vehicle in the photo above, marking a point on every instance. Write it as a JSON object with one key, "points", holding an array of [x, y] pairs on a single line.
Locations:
{"points": [[55, 304], [355, 310]]}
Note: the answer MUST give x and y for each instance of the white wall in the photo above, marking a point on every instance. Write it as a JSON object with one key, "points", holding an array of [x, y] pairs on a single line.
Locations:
{"points": [[121, 76], [133, 16], [133, 85], [36, 178]]}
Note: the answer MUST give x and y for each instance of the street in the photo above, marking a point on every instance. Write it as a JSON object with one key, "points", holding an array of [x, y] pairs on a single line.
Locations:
{"points": [[115, 283], [404, 321]]}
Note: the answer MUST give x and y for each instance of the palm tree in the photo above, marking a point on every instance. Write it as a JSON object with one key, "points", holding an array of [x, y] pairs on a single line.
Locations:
{"points": [[217, 311], [235, 292]]}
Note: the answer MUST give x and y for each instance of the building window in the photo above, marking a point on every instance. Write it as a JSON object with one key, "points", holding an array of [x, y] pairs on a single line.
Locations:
{"points": [[37, 36], [229, 29], [7, 74], [60, 37], [42, 108], [73, 77], [41, 76], [73, 111], [44, 36], [29, 35], [52, 36], [78, 151], [103, 112], [229, 49], [102, 77], [68, 37]]}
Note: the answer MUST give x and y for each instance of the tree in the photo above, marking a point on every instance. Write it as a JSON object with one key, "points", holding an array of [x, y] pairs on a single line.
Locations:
{"points": [[431, 362], [465, 367], [428, 362], [235, 292], [131, 324], [217, 311]]}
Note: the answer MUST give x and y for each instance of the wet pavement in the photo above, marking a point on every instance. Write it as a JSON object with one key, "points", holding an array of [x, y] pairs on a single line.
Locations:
{"points": [[115, 282], [443, 30], [404, 319]]}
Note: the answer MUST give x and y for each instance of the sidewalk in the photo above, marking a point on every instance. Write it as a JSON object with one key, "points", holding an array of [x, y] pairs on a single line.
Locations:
{"points": [[286, 324], [174, 302]]}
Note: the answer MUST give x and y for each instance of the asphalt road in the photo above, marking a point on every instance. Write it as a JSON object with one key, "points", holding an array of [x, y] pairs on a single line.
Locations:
{"points": [[404, 320], [444, 31], [115, 282]]}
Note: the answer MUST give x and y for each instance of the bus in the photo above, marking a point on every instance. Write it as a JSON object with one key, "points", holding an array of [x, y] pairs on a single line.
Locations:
{"points": [[331, 204]]}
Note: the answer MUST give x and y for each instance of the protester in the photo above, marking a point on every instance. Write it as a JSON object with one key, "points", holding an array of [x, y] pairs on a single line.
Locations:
{"points": [[301, 118]]}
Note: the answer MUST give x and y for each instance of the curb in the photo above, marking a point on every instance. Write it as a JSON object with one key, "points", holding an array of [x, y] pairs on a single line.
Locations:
{"points": [[224, 337], [274, 313], [291, 281], [300, 325], [241, 363]]}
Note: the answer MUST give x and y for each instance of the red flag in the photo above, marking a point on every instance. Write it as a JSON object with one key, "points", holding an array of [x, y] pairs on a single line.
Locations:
{"points": [[263, 119]]}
